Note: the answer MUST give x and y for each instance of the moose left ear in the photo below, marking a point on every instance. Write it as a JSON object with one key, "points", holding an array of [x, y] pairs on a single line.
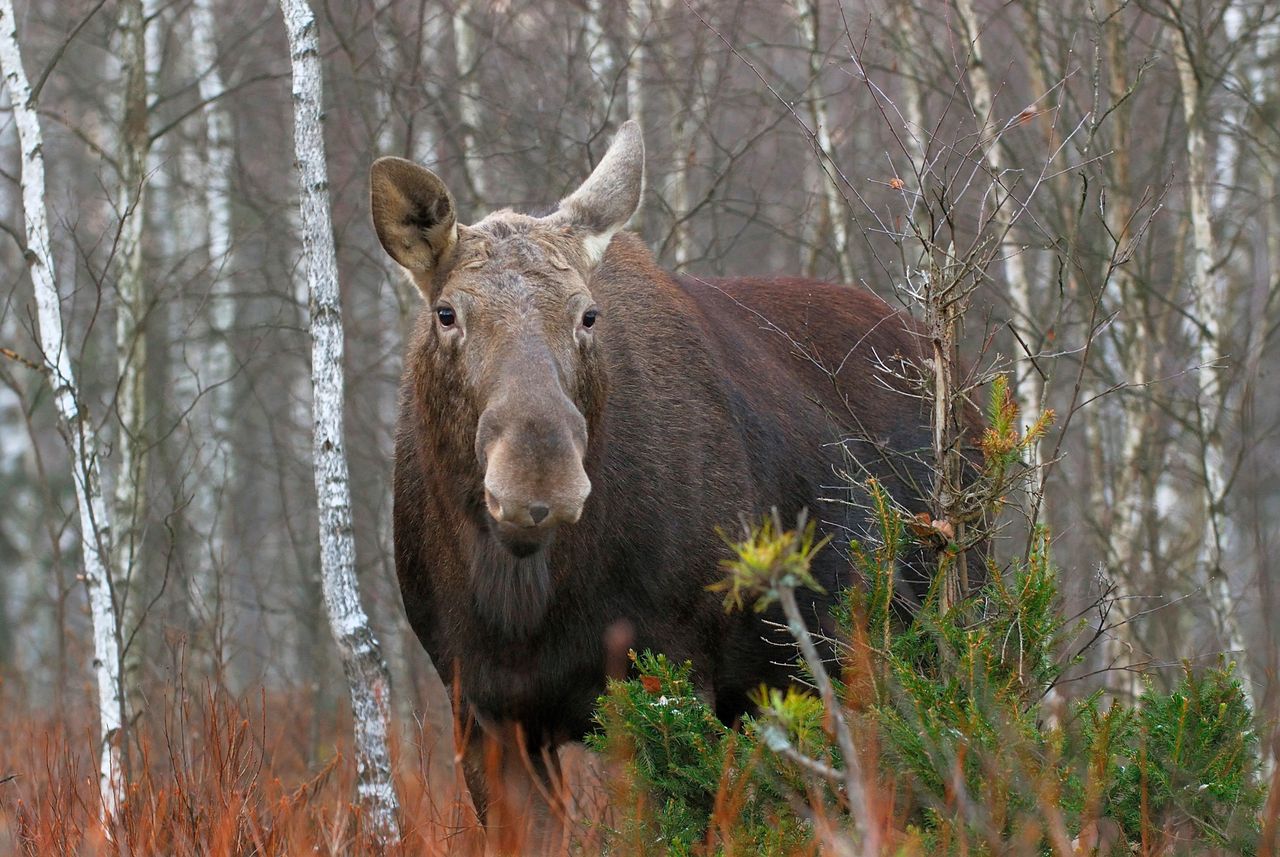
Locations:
{"points": [[611, 194], [413, 214]]}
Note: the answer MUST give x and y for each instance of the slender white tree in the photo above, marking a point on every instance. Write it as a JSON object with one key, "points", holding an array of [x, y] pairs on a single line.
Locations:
{"points": [[599, 55], [637, 29], [1210, 301], [131, 310], [77, 430], [833, 209], [367, 676], [468, 59], [216, 183], [915, 136], [1126, 348], [1029, 390], [688, 109]]}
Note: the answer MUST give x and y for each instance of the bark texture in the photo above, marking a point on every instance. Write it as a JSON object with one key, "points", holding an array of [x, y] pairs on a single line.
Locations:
{"points": [[77, 430], [367, 676], [1029, 390], [216, 179], [833, 209], [1209, 295]]}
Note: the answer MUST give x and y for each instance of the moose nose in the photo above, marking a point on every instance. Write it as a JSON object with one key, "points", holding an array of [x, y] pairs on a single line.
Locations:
{"points": [[539, 512]]}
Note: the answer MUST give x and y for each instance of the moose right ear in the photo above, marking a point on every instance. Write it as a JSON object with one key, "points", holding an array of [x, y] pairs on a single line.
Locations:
{"points": [[413, 214]]}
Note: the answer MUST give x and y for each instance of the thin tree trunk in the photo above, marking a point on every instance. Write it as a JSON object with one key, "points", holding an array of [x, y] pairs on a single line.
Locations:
{"points": [[77, 430], [598, 59], [833, 208], [637, 26], [216, 183], [465, 50], [915, 137], [687, 111], [1209, 294], [366, 671], [1126, 347], [131, 350], [1028, 388]]}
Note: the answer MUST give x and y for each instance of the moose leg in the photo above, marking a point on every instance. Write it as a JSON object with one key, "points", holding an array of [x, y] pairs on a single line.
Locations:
{"points": [[513, 783]]}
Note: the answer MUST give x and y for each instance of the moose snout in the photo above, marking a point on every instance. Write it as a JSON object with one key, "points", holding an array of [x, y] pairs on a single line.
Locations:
{"points": [[516, 511], [534, 479]]}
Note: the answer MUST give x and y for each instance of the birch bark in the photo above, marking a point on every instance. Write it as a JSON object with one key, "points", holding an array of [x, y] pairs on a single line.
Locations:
{"points": [[367, 676], [1210, 298], [598, 60], [131, 309], [916, 135], [465, 51], [637, 25], [1029, 390], [77, 430], [833, 211], [1127, 347], [215, 178]]}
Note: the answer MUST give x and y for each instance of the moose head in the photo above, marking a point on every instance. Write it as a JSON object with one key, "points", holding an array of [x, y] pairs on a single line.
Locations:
{"points": [[511, 334]]}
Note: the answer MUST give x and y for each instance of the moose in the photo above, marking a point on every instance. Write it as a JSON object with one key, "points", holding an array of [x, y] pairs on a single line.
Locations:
{"points": [[579, 428]]}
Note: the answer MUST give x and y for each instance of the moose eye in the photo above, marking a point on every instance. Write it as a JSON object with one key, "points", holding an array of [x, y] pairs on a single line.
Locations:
{"points": [[589, 317], [446, 315]]}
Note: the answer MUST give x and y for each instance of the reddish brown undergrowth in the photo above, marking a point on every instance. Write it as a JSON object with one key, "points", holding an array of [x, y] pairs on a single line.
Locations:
{"points": [[215, 775]]}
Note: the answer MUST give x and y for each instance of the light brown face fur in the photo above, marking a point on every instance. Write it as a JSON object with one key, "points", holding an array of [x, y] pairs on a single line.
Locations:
{"points": [[515, 326]]}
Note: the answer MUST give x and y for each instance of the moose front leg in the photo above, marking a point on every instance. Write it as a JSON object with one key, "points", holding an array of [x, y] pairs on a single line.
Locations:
{"points": [[516, 785]]}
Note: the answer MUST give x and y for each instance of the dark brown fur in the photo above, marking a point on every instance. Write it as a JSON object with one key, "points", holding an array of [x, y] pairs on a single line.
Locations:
{"points": [[707, 402]]}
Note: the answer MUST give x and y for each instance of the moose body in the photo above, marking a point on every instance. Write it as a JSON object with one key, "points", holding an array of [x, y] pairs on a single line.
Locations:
{"points": [[579, 475]]}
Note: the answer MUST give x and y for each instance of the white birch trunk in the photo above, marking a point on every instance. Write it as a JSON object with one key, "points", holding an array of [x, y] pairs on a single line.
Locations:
{"points": [[686, 111], [78, 431], [637, 26], [370, 684], [833, 210], [131, 308], [598, 54], [464, 46], [1127, 347], [915, 136], [216, 179], [1209, 294], [1028, 388]]}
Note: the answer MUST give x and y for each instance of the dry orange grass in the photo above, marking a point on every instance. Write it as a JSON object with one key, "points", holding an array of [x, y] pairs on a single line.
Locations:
{"points": [[214, 776], [211, 775], [217, 776]]}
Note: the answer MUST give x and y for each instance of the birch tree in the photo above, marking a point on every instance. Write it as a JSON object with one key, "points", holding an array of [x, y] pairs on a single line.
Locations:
{"points": [[1210, 301], [131, 309], [597, 50], [637, 27], [689, 108], [1029, 389], [77, 430], [468, 69], [216, 181], [833, 210], [367, 676], [1126, 348]]}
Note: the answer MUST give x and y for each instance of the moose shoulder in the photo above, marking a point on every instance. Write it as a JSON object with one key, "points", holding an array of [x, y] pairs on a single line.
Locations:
{"points": [[578, 427]]}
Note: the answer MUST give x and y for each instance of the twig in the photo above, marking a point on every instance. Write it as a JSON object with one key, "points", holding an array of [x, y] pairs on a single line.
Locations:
{"points": [[844, 738]]}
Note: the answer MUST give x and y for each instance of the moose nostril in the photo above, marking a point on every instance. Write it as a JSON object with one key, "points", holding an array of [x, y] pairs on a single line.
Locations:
{"points": [[539, 512]]}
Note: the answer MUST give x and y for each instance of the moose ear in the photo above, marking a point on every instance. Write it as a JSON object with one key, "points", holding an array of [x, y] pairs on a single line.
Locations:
{"points": [[611, 194], [413, 214]]}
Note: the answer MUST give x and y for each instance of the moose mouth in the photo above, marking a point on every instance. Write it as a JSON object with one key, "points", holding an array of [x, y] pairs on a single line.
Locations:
{"points": [[521, 542]]}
